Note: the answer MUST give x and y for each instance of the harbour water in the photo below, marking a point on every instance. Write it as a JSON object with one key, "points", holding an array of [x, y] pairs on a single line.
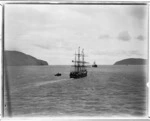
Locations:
{"points": [[106, 91]]}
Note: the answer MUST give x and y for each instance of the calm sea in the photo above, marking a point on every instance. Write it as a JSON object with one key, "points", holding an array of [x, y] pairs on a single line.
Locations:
{"points": [[106, 91]]}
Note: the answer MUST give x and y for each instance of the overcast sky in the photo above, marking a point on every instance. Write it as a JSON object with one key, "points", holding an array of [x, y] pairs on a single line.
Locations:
{"points": [[108, 33]]}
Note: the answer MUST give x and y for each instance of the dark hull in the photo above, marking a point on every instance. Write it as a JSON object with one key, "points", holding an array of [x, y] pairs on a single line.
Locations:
{"points": [[94, 65], [58, 74], [76, 75]]}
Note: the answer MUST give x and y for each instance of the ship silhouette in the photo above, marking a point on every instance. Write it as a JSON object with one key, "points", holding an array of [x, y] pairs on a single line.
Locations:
{"points": [[80, 70], [94, 64]]}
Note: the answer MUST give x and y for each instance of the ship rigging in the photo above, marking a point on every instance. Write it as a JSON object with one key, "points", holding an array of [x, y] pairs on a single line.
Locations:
{"points": [[79, 65]]}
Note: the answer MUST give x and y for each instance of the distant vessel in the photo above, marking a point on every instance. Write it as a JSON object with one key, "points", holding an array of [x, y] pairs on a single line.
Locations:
{"points": [[79, 65], [94, 64], [58, 74]]}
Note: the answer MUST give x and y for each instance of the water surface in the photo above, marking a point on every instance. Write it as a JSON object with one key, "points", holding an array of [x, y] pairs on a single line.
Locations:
{"points": [[106, 91]]}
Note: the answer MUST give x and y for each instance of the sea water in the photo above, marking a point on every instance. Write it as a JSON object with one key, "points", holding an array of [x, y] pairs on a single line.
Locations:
{"points": [[106, 91]]}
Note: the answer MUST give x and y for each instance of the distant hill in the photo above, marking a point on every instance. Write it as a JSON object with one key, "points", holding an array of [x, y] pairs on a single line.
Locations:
{"points": [[131, 61], [15, 58]]}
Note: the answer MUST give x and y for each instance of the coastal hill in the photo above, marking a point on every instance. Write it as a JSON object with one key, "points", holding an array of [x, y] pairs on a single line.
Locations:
{"points": [[15, 58], [131, 61]]}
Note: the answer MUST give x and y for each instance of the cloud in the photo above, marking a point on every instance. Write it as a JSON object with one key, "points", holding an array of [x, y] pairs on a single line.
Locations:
{"points": [[42, 46], [105, 36], [134, 52], [124, 36], [138, 12], [140, 37], [118, 53]]}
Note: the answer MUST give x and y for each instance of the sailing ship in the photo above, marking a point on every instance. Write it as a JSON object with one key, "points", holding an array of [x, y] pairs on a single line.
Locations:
{"points": [[79, 65], [94, 64]]}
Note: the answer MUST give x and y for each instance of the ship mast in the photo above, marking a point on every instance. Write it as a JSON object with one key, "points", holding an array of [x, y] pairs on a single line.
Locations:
{"points": [[78, 68], [75, 62], [82, 59], [79, 62], [79, 65]]}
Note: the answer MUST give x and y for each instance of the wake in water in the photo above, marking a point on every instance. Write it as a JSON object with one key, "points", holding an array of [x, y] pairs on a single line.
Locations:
{"points": [[52, 81], [41, 84]]}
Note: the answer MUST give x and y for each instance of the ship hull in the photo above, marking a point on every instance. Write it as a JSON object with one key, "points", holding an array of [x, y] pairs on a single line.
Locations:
{"points": [[76, 75], [94, 65]]}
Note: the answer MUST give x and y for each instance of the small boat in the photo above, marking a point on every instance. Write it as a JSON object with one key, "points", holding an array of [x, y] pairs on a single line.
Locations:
{"points": [[94, 64], [58, 74], [79, 66]]}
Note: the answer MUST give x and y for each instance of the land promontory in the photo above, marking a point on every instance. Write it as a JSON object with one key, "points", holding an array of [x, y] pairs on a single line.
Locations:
{"points": [[15, 58], [131, 61]]}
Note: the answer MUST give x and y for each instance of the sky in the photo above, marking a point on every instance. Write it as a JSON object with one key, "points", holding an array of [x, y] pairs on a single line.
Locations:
{"points": [[108, 33]]}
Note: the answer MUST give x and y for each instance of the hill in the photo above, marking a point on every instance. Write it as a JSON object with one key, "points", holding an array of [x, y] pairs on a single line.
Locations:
{"points": [[131, 61], [15, 58]]}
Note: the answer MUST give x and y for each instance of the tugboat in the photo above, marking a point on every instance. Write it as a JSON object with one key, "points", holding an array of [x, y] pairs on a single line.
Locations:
{"points": [[79, 66], [94, 64]]}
